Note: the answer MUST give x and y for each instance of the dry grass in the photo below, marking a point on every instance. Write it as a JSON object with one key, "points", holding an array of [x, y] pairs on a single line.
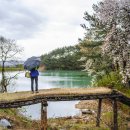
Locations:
{"points": [[53, 92], [93, 105]]}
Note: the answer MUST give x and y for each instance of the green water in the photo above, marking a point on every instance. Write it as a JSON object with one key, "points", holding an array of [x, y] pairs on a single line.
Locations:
{"points": [[67, 78], [53, 79]]}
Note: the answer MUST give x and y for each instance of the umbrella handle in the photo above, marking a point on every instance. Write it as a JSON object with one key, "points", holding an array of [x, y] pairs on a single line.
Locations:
{"points": [[37, 68]]}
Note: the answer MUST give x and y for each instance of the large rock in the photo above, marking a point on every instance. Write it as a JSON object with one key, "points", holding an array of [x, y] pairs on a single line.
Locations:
{"points": [[87, 111], [5, 124]]}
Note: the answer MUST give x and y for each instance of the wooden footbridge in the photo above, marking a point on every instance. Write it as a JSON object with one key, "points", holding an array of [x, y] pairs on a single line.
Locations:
{"points": [[19, 99]]}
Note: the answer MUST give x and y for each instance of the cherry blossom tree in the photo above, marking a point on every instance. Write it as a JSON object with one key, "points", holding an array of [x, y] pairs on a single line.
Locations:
{"points": [[111, 23], [115, 14]]}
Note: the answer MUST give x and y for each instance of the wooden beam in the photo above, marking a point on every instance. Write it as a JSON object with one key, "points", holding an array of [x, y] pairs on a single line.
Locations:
{"points": [[38, 99], [115, 115], [44, 115], [99, 113]]}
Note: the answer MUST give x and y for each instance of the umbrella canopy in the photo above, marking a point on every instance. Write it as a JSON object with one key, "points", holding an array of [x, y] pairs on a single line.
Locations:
{"points": [[32, 62]]}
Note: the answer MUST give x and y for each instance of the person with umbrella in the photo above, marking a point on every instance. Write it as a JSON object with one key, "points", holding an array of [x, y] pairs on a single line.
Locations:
{"points": [[34, 76], [32, 64]]}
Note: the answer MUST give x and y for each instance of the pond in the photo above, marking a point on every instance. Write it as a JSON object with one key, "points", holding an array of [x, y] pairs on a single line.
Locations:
{"points": [[53, 79]]}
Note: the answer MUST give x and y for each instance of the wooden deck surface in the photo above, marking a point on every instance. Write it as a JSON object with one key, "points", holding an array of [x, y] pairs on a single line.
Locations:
{"points": [[24, 95], [18, 99]]}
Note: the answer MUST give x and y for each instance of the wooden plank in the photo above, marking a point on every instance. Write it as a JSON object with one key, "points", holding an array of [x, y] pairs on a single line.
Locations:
{"points": [[26, 98], [99, 113], [38, 99], [53, 92]]}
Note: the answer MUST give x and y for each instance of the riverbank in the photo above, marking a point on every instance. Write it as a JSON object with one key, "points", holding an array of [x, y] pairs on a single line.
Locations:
{"points": [[12, 69], [86, 120], [17, 121]]}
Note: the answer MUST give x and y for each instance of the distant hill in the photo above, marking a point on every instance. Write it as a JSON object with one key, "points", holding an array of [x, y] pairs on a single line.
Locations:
{"points": [[12, 63]]}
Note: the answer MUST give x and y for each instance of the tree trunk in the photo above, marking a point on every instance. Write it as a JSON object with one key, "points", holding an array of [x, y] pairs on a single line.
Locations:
{"points": [[3, 80]]}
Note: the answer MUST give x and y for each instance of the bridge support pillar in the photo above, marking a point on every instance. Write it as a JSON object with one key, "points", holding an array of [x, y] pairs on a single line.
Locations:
{"points": [[44, 115], [99, 113], [128, 123], [115, 115]]}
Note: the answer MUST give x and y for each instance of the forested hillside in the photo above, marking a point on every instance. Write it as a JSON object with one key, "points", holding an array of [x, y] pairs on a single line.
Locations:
{"points": [[65, 58]]}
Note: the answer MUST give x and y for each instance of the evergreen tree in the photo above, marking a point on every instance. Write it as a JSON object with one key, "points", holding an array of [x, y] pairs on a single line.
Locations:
{"points": [[65, 58], [95, 63]]}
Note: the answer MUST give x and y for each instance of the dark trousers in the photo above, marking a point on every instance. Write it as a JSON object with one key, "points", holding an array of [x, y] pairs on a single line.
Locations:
{"points": [[36, 83]]}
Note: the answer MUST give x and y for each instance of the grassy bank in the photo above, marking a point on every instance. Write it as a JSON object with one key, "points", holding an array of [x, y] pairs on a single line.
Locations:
{"points": [[12, 69], [72, 124], [88, 121], [77, 122], [21, 123], [18, 121]]}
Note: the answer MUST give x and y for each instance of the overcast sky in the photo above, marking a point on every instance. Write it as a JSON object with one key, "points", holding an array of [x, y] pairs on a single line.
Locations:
{"points": [[43, 25]]}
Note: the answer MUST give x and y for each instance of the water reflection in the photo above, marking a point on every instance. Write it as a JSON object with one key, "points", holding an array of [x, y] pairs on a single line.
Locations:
{"points": [[54, 109]]}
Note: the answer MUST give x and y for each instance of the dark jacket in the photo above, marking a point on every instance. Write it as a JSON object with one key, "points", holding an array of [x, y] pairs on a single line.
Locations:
{"points": [[34, 73]]}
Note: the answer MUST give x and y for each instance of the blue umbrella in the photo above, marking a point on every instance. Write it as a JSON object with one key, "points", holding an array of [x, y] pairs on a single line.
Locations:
{"points": [[32, 62]]}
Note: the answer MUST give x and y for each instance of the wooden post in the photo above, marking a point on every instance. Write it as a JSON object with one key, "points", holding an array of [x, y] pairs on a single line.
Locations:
{"points": [[44, 115], [115, 115], [99, 113], [128, 123]]}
